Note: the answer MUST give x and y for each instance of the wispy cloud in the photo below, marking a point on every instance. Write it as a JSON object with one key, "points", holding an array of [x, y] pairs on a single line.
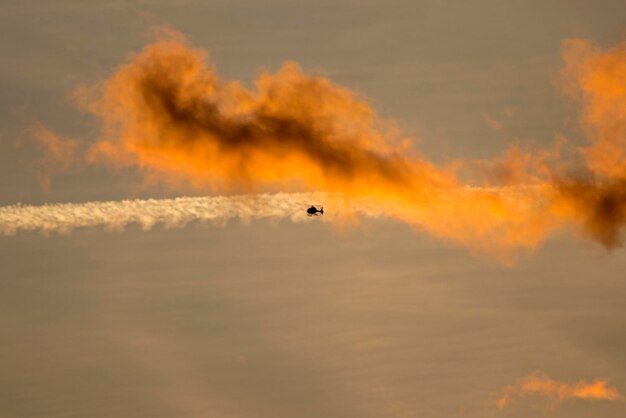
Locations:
{"points": [[493, 123], [59, 154], [539, 385]]}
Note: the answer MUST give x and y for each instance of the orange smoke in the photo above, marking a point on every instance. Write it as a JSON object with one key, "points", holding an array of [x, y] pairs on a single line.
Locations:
{"points": [[598, 79], [167, 113], [539, 385]]}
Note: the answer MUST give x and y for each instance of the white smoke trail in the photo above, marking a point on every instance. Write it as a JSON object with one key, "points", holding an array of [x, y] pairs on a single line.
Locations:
{"points": [[218, 210], [115, 215]]}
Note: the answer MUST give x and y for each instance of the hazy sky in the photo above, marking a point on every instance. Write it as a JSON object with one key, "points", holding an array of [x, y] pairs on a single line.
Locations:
{"points": [[302, 320]]}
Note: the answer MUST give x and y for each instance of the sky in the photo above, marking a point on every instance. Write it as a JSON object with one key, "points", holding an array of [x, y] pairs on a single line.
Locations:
{"points": [[414, 303]]}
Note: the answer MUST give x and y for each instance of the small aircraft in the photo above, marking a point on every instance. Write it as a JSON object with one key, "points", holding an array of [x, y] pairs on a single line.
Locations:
{"points": [[313, 211]]}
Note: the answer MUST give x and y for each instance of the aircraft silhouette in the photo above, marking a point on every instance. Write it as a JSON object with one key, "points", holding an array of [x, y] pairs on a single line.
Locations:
{"points": [[313, 211]]}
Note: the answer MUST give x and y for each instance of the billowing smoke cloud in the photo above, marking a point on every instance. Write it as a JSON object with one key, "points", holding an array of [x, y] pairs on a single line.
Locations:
{"points": [[541, 386], [148, 213], [167, 113]]}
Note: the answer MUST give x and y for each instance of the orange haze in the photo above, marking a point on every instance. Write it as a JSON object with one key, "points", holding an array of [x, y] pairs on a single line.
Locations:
{"points": [[167, 113]]}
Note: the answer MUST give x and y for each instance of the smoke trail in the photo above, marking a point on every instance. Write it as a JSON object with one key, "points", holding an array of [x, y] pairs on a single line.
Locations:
{"points": [[167, 114], [540, 385], [115, 215], [148, 213]]}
